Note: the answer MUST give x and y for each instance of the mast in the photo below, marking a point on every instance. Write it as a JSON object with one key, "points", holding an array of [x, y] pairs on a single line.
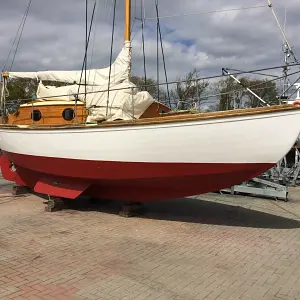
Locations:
{"points": [[127, 32], [127, 20]]}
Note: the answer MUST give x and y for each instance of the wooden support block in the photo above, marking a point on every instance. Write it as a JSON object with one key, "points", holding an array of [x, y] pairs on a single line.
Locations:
{"points": [[131, 209], [20, 190]]}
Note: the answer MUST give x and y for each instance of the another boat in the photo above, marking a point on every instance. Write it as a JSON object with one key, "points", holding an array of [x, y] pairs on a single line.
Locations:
{"points": [[297, 100], [116, 154]]}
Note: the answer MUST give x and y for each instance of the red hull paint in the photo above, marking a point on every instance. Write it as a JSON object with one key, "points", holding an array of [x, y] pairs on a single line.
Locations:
{"points": [[127, 181]]}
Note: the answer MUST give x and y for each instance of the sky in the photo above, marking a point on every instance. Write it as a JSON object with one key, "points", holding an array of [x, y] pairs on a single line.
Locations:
{"points": [[54, 35]]}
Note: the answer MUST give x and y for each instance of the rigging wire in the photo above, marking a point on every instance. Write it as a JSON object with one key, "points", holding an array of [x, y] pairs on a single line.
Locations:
{"points": [[93, 44], [111, 53], [204, 99], [157, 53], [135, 59], [143, 40], [296, 90], [287, 50], [170, 82], [162, 51], [86, 49], [106, 7], [270, 5], [86, 45], [17, 47], [207, 12], [111, 5], [252, 86], [286, 56], [133, 23], [286, 76], [84, 61], [252, 73], [21, 27], [135, 33]]}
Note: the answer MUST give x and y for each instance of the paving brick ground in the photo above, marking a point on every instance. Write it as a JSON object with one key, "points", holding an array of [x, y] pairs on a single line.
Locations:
{"points": [[218, 247]]}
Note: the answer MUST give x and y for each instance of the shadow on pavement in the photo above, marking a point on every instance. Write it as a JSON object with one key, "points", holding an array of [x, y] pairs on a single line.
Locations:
{"points": [[195, 211]]}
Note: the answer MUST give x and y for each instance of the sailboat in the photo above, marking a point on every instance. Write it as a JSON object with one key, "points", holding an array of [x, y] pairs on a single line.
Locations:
{"points": [[116, 154], [295, 101]]}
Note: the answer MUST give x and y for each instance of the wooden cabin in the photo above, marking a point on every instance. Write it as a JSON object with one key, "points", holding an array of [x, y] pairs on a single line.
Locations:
{"points": [[46, 112], [155, 110], [62, 112]]}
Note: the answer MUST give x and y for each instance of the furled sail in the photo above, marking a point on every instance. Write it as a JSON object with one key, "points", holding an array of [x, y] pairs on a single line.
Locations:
{"points": [[119, 72], [62, 93], [123, 101]]}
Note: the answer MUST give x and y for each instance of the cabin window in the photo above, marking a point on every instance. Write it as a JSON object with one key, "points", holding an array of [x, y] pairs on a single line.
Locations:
{"points": [[36, 115], [68, 114]]}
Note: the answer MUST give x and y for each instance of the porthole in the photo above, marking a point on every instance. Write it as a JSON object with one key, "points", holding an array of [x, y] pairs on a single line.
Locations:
{"points": [[68, 114], [36, 115]]}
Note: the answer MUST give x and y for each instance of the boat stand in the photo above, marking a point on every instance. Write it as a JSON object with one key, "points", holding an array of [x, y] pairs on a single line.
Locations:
{"points": [[55, 204], [275, 182], [286, 173], [131, 209], [260, 188], [20, 190]]}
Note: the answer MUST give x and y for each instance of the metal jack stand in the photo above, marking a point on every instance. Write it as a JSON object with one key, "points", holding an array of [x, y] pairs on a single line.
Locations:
{"points": [[260, 187], [275, 182], [54, 204]]}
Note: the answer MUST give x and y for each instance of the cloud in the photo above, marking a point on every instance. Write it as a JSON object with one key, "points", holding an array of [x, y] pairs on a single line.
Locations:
{"points": [[54, 35]]}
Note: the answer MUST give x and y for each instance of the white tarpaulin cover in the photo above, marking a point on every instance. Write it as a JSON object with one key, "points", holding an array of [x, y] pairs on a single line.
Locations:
{"points": [[119, 72], [123, 103], [124, 100], [56, 93]]}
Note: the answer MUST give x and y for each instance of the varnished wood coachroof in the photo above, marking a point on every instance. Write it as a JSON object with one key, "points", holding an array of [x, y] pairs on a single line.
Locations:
{"points": [[166, 118]]}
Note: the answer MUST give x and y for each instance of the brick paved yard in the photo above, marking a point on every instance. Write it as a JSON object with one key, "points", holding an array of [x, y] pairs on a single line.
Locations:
{"points": [[219, 247]]}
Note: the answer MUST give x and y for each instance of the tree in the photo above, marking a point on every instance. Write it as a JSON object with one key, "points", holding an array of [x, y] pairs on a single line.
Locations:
{"points": [[264, 89], [233, 95], [19, 89], [22, 90], [188, 91], [150, 85], [186, 94], [230, 94]]}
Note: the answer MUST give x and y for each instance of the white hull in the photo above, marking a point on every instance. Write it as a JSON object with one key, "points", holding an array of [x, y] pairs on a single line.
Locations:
{"points": [[246, 139], [148, 162]]}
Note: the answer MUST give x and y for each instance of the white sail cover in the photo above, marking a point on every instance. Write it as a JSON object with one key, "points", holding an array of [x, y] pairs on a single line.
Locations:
{"points": [[119, 72], [123, 101], [63, 93]]}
